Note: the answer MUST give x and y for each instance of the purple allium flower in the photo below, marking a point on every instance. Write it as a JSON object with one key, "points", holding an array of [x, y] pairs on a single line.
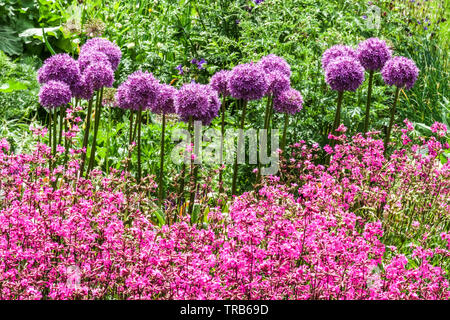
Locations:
{"points": [[400, 72], [272, 63], [180, 69], [54, 94], [288, 101], [373, 54], [165, 100], [143, 88], [336, 52], [123, 100], [99, 75], [199, 101], [248, 81], [219, 82], [105, 46], [60, 67], [278, 82], [83, 89], [344, 74], [89, 57]]}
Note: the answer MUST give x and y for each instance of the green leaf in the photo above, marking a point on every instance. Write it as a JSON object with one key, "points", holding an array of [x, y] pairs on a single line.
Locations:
{"points": [[38, 32], [13, 85], [9, 42]]}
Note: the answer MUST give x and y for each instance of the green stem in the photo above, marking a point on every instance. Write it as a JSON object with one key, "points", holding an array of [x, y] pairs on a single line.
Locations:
{"points": [[286, 122], [54, 132], [130, 140], [182, 178], [98, 109], [86, 135], [221, 189], [139, 173], [61, 120], [107, 142], [50, 135], [337, 116], [235, 167], [369, 97], [161, 164], [391, 121]]}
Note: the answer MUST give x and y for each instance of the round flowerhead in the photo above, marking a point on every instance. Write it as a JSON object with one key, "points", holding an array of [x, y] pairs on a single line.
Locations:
{"points": [[335, 52], [143, 89], [111, 50], [199, 101], [278, 82], [54, 94], [60, 67], [271, 63], [344, 74], [400, 72], [289, 101], [83, 89], [89, 57], [123, 100], [165, 100], [99, 75], [219, 82], [248, 81], [373, 54]]}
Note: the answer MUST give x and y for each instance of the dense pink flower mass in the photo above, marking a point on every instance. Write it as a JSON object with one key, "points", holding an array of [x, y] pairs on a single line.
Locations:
{"points": [[344, 74], [54, 94], [248, 82], [197, 101], [318, 232], [110, 49], [289, 101], [373, 53], [60, 67], [337, 51], [400, 72]]}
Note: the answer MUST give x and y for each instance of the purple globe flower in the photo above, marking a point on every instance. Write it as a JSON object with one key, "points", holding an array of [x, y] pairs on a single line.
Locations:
{"points": [[199, 101], [271, 63], [83, 89], [60, 67], [143, 89], [248, 81], [219, 82], [54, 94], [344, 74], [99, 75], [278, 82], [89, 57], [400, 72], [373, 54], [111, 50], [123, 100], [289, 101], [336, 52], [165, 100]]}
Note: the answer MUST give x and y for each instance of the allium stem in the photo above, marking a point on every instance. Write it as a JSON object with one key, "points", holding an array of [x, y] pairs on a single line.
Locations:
{"points": [[55, 137], [222, 143], [337, 117], [61, 120], [50, 136], [369, 97], [98, 109], [130, 140], [266, 116], [286, 122], [86, 135], [235, 167], [161, 164], [139, 124], [391, 121], [183, 178]]}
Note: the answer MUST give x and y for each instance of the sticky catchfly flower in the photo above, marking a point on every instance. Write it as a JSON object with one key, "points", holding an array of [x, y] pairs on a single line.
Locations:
{"points": [[248, 82], [54, 94], [400, 72]]}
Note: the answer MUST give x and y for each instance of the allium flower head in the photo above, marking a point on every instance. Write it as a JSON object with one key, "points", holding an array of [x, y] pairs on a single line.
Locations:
{"points": [[289, 101], [111, 50], [60, 67], [54, 94], [271, 63], [99, 75], [278, 82], [199, 101], [344, 74], [335, 52], [89, 57], [373, 54], [248, 81], [143, 89], [83, 89], [219, 82], [165, 100], [123, 100], [400, 72]]}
